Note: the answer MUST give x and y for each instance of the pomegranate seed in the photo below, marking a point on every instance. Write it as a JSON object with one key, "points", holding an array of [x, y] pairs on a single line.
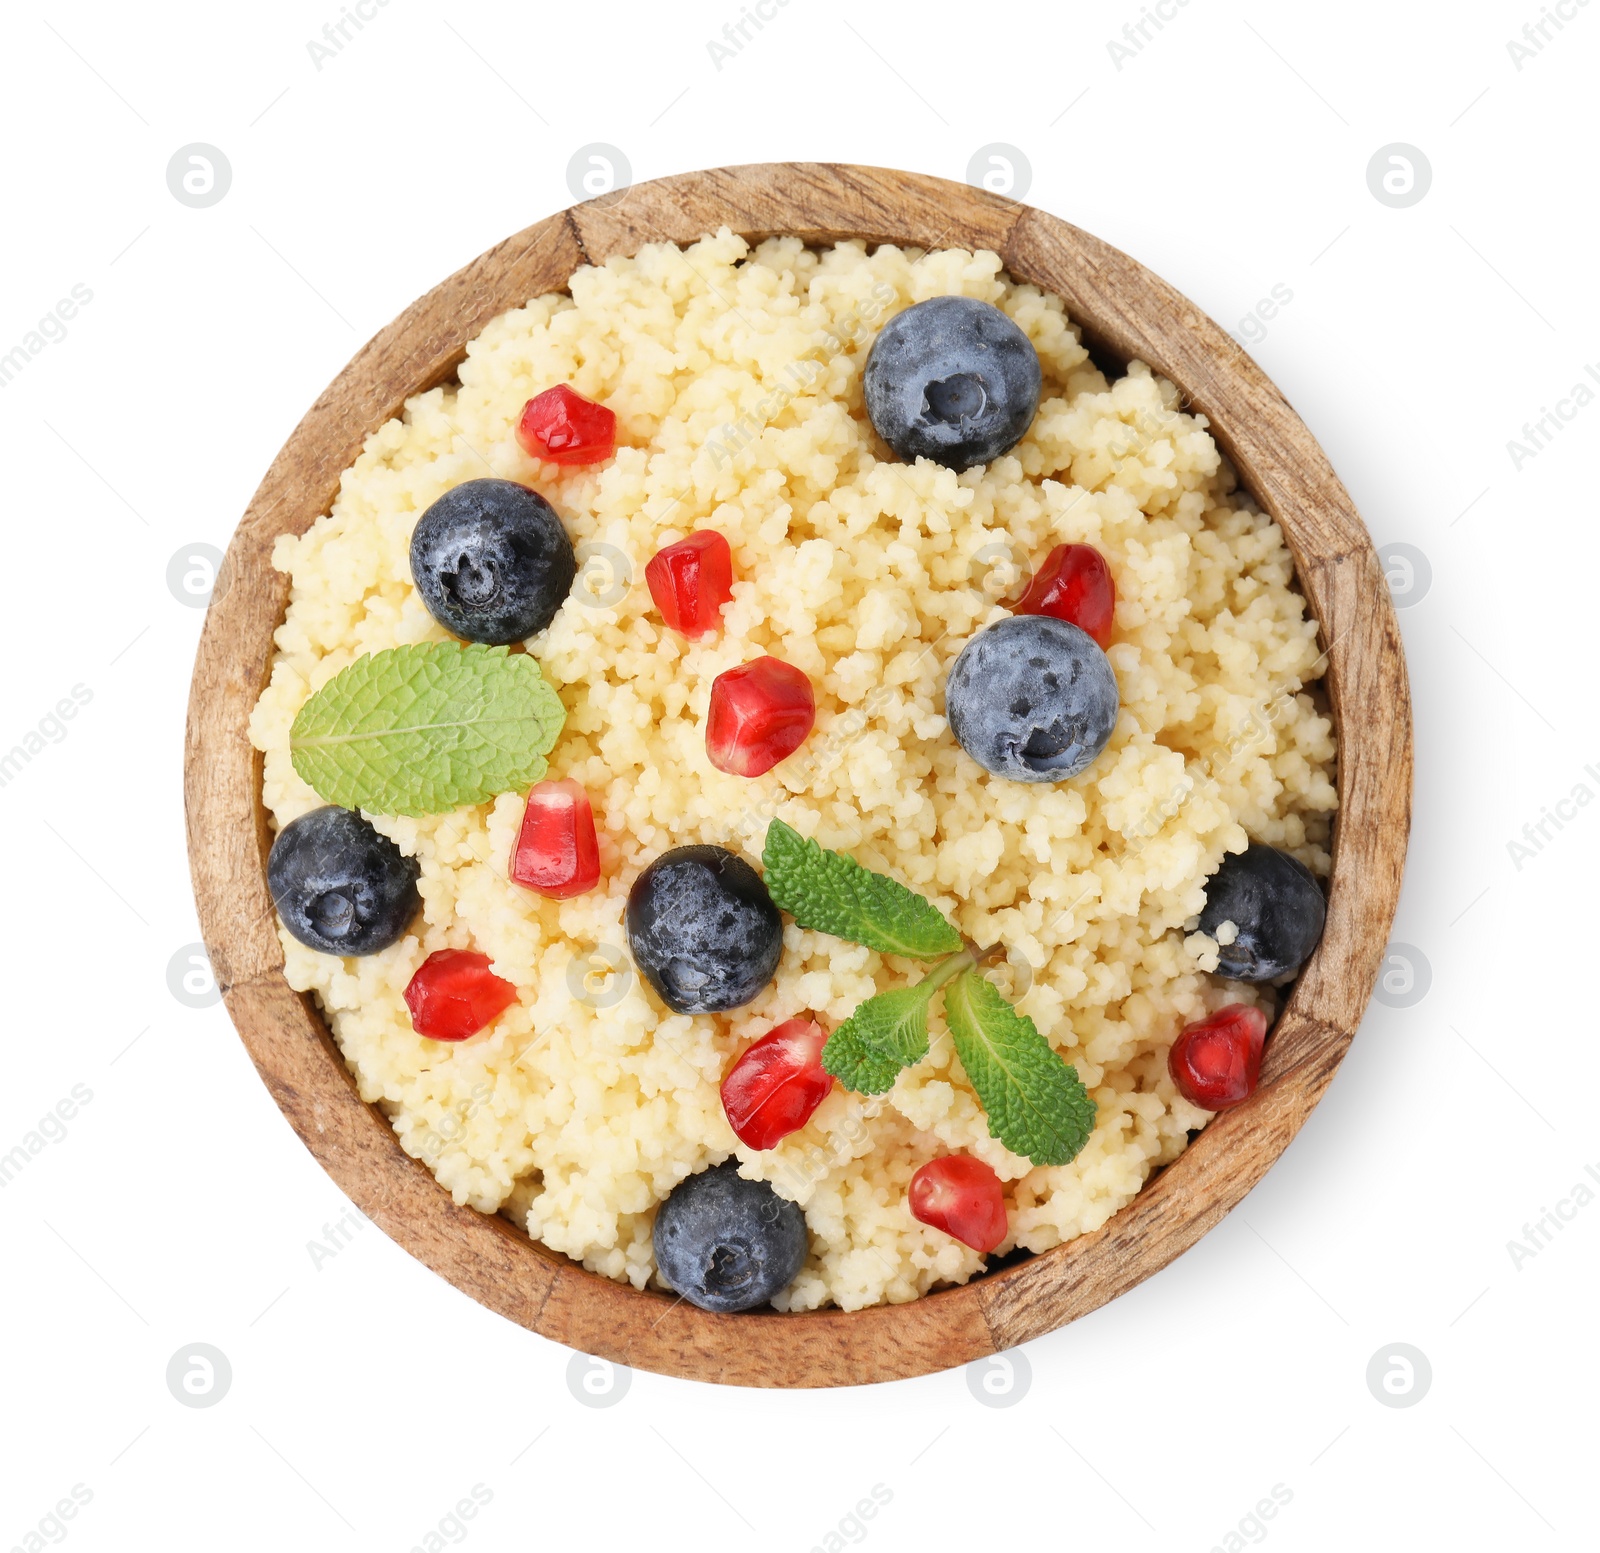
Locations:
{"points": [[760, 713], [1216, 1063], [454, 994], [562, 427], [691, 581], [960, 1195], [556, 852], [777, 1083], [1074, 585]]}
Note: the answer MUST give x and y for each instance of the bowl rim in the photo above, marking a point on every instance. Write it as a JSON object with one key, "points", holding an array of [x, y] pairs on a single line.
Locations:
{"points": [[1125, 312]]}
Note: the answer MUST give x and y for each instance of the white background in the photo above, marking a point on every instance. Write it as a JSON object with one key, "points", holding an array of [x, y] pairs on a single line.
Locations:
{"points": [[1230, 154]]}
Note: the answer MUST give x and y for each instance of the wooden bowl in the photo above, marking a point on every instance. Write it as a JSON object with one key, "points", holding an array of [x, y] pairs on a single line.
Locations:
{"points": [[1125, 311]]}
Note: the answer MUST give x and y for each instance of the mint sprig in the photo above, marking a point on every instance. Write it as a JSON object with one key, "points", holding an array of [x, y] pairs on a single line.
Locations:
{"points": [[1036, 1104], [1035, 1101], [427, 728], [834, 894]]}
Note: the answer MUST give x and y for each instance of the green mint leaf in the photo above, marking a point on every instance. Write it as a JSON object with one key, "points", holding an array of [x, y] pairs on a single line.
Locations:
{"points": [[834, 894], [427, 728], [885, 1034], [888, 1032], [1036, 1102]]}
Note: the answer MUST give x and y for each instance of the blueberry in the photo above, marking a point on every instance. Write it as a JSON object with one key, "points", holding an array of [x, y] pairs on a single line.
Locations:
{"points": [[339, 886], [954, 380], [703, 930], [728, 1244], [492, 561], [1274, 901], [1032, 698]]}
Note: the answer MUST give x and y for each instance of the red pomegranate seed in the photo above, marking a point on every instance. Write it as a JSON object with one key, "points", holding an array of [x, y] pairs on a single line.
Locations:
{"points": [[556, 852], [691, 581], [1216, 1063], [562, 427], [777, 1083], [960, 1195], [454, 994], [760, 713], [1074, 585]]}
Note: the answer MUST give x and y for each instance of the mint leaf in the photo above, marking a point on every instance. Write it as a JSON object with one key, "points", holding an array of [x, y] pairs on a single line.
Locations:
{"points": [[427, 728], [1036, 1102], [885, 1034], [835, 894], [888, 1032]]}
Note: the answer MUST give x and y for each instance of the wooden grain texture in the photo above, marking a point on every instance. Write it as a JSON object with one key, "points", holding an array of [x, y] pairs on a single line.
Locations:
{"points": [[1126, 312]]}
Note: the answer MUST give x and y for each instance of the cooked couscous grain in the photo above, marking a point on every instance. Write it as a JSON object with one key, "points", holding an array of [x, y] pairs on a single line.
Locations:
{"points": [[736, 378]]}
